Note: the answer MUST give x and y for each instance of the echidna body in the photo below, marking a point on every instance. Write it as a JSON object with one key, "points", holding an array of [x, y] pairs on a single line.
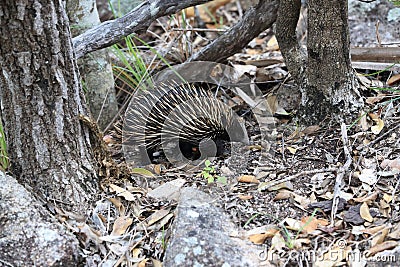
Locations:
{"points": [[183, 114]]}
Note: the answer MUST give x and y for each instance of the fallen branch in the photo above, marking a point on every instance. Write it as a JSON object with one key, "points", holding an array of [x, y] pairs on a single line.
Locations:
{"points": [[289, 178], [256, 20], [111, 32], [376, 54], [340, 174]]}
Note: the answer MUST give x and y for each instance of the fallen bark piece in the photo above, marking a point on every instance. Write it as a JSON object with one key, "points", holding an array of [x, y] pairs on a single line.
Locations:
{"points": [[201, 236], [29, 235]]}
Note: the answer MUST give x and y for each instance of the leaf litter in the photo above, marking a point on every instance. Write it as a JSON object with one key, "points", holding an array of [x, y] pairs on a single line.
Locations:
{"points": [[317, 196]]}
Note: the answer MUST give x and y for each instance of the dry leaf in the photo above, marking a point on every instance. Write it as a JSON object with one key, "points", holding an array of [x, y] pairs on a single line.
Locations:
{"points": [[364, 212], [136, 255], [164, 221], [376, 129], [116, 188], [272, 41], [373, 116], [299, 242], [142, 172], [368, 176], [303, 201], [291, 149], [284, 185], [293, 224], [260, 238], [117, 203], [379, 238], [284, 194], [252, 52], [278, 242], [311, 129], [122, 192], [374, 99], [333, 257], [385, 208], [248, 179], [260, 41], [142, 263], [395, 233], [207, 11], [381, 247], [272, 103], [363, 123], [373, 230], [310, 224], [357, 229], [243, 69], [368, 199], [108, 139], [156, 263], [394, 79], [392, 164], [158, 215], [89, 234], [388, 198], [120, 225], [245, 197], [158, 168]]}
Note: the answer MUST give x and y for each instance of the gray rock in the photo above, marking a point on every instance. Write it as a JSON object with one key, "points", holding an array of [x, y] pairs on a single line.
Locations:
{"points": [[201, 236], [29, 236]]}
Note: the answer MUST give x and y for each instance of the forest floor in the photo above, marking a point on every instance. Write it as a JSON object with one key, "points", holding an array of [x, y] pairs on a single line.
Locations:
{"points": [[283, 198]]}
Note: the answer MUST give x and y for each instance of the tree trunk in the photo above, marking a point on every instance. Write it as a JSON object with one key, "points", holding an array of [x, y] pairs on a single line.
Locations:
{"points": [[324, 74], [41, 96], [95, 68]]}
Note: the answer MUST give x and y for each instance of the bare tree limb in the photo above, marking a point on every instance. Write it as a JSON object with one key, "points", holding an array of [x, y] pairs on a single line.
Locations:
{"points": [[256, 20], [110, 32], [376, 54]]}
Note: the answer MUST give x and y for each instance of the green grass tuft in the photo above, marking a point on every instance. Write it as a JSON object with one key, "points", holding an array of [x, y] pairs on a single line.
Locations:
{"points": [[4, 161]]}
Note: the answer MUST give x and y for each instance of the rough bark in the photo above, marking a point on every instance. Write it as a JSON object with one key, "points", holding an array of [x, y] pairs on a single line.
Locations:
{"points": [[30, 235], [111, 32], [324, 75], [41, 96], [95, 68], [256, 20], [330, 89], [286, 23]]}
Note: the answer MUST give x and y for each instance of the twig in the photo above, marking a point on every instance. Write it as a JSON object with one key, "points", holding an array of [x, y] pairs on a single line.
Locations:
{"points": [[283, 149], [379, 138], [342, 171], [6, 263], [395, 188], [274, 183], [198, 30]]}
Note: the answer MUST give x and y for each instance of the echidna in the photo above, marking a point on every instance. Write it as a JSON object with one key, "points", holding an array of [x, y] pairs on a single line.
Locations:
{"points": [[178, 118]]}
